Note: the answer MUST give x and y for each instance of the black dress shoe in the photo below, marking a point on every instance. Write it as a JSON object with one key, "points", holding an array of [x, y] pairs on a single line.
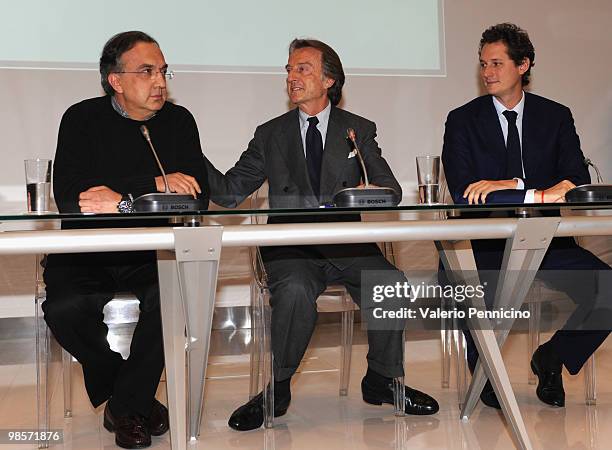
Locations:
{"points": [[251, 415], [130, 431], [488, 397], [417, 402], [547, 367], [159, 421]]}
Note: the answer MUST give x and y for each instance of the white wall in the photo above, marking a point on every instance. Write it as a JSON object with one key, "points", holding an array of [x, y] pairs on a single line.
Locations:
{"points": [[573, 66]]}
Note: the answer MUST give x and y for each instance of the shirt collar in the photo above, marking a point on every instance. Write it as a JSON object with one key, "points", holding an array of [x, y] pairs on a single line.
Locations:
{"points": [[122, 112], [323, 117], [117, 107], [500, 108]]}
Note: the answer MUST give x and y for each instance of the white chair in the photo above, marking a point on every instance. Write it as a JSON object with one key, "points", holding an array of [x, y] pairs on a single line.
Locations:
{"points": [[335, 298], [122, 309], [537, 294]]}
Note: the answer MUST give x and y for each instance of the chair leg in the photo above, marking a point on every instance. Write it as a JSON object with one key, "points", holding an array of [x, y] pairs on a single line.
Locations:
{"points": [[533, 340], [255, 361], [43, 351], [346, 347], [399, 393], [462, 368], [265, 349], [67, 378], [445, 338], [590, 393]]}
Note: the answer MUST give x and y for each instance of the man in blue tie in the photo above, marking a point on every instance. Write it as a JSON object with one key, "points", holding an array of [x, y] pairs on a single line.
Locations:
{"points": [[305, 157], [511, 146]]}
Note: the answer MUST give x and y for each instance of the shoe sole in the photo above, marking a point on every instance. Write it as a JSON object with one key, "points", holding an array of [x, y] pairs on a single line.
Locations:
{"points": [[373, 401], [535, 372]]}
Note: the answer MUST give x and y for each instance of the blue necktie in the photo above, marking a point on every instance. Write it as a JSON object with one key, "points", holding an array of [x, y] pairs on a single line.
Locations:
{"points": [[514, 163], [314, 154]]}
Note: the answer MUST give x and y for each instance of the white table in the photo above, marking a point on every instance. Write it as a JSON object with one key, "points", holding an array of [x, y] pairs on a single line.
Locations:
{"points": [[188, 263]]}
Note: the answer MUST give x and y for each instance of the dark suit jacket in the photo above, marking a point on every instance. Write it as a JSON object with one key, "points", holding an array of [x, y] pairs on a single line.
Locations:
{"points": [[276, 154], [474, 148]]}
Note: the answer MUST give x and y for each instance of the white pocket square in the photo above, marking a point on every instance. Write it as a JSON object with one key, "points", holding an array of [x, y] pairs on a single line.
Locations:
{"points": [[352, 154]]}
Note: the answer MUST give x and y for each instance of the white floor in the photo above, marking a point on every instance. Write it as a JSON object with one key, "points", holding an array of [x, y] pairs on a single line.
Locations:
{"points": [[319, 419]]}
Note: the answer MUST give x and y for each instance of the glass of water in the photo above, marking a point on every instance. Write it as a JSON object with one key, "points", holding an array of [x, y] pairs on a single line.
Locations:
{"points": [[428, 175], [38, 184]]}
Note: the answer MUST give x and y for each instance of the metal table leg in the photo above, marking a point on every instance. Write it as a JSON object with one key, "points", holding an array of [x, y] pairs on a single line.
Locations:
{"points": [[458, 259], [188, 280], [522, 258]]}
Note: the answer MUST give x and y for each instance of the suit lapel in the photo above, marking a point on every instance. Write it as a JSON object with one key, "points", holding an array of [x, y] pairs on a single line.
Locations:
{"points": [[490, 126], [529, 138], [292, 149], [335, 153]]}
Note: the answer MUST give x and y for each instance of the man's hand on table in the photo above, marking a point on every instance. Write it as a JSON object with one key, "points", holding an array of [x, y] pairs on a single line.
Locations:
{"points": [[180, 183], [554, 194], [99, 199], [476, 193]]}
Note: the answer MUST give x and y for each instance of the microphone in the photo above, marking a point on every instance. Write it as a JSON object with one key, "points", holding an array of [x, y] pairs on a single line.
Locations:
{"points": [[590, 193], [371, 196], [166, 201], [587, 163]]}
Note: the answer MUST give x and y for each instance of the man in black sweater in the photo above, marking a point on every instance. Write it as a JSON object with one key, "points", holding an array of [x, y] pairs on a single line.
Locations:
{"points": [[102, 161]]}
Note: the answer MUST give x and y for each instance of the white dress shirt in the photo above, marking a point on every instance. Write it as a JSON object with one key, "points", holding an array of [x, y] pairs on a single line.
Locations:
{"points": [[323, 117], [520, 106]]}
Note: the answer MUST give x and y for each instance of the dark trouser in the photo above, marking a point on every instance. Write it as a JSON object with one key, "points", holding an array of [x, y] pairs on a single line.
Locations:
{"points": [[297, 276], [76, 295], [571, 344]]}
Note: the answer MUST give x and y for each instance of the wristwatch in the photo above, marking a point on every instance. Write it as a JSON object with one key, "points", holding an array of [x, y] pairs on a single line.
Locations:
{"points": [[126, 204]]}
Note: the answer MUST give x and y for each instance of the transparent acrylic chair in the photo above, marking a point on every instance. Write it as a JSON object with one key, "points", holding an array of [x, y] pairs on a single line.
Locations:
{"points": [[335, 298], [451, 334], [122, 309]]}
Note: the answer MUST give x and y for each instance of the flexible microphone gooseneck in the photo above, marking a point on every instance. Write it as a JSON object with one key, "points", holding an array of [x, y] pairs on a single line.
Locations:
{"points": [[590, 193], [588, 162], [351, 135], [368, 196], [166, 201], [145, 132]]}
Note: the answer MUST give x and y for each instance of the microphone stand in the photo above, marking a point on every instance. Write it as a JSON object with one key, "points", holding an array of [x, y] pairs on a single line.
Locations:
{"points": [[371, 196], [590, 193], [166, 201]]}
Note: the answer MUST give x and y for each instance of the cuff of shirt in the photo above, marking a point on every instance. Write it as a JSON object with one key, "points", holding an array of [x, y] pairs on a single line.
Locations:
{"points": [[520, 184], [529, 196]]}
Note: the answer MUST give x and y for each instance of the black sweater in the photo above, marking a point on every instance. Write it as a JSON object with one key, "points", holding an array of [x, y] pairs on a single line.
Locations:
{"points": [[96, 146]]}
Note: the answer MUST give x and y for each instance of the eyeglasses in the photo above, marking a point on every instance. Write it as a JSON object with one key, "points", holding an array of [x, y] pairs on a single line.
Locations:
{"points": [[150, 73]]}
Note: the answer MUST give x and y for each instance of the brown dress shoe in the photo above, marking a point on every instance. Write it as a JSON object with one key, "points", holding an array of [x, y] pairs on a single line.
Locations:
{"points": [[158, 421], [130, 431]]}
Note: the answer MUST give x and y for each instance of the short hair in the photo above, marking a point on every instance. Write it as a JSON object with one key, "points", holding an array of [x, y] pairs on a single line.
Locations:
{"points": [[115, 47], [517, 41], [332, 67]]}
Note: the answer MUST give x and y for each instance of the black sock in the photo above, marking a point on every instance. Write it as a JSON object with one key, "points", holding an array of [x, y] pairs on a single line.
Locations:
{"points": [[550, 356], [118, 408], [376, 378]]}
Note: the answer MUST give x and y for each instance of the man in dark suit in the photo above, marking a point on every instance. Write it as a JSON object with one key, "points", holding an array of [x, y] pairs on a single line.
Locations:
{"points": [[512, 147], [305, 157]]}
